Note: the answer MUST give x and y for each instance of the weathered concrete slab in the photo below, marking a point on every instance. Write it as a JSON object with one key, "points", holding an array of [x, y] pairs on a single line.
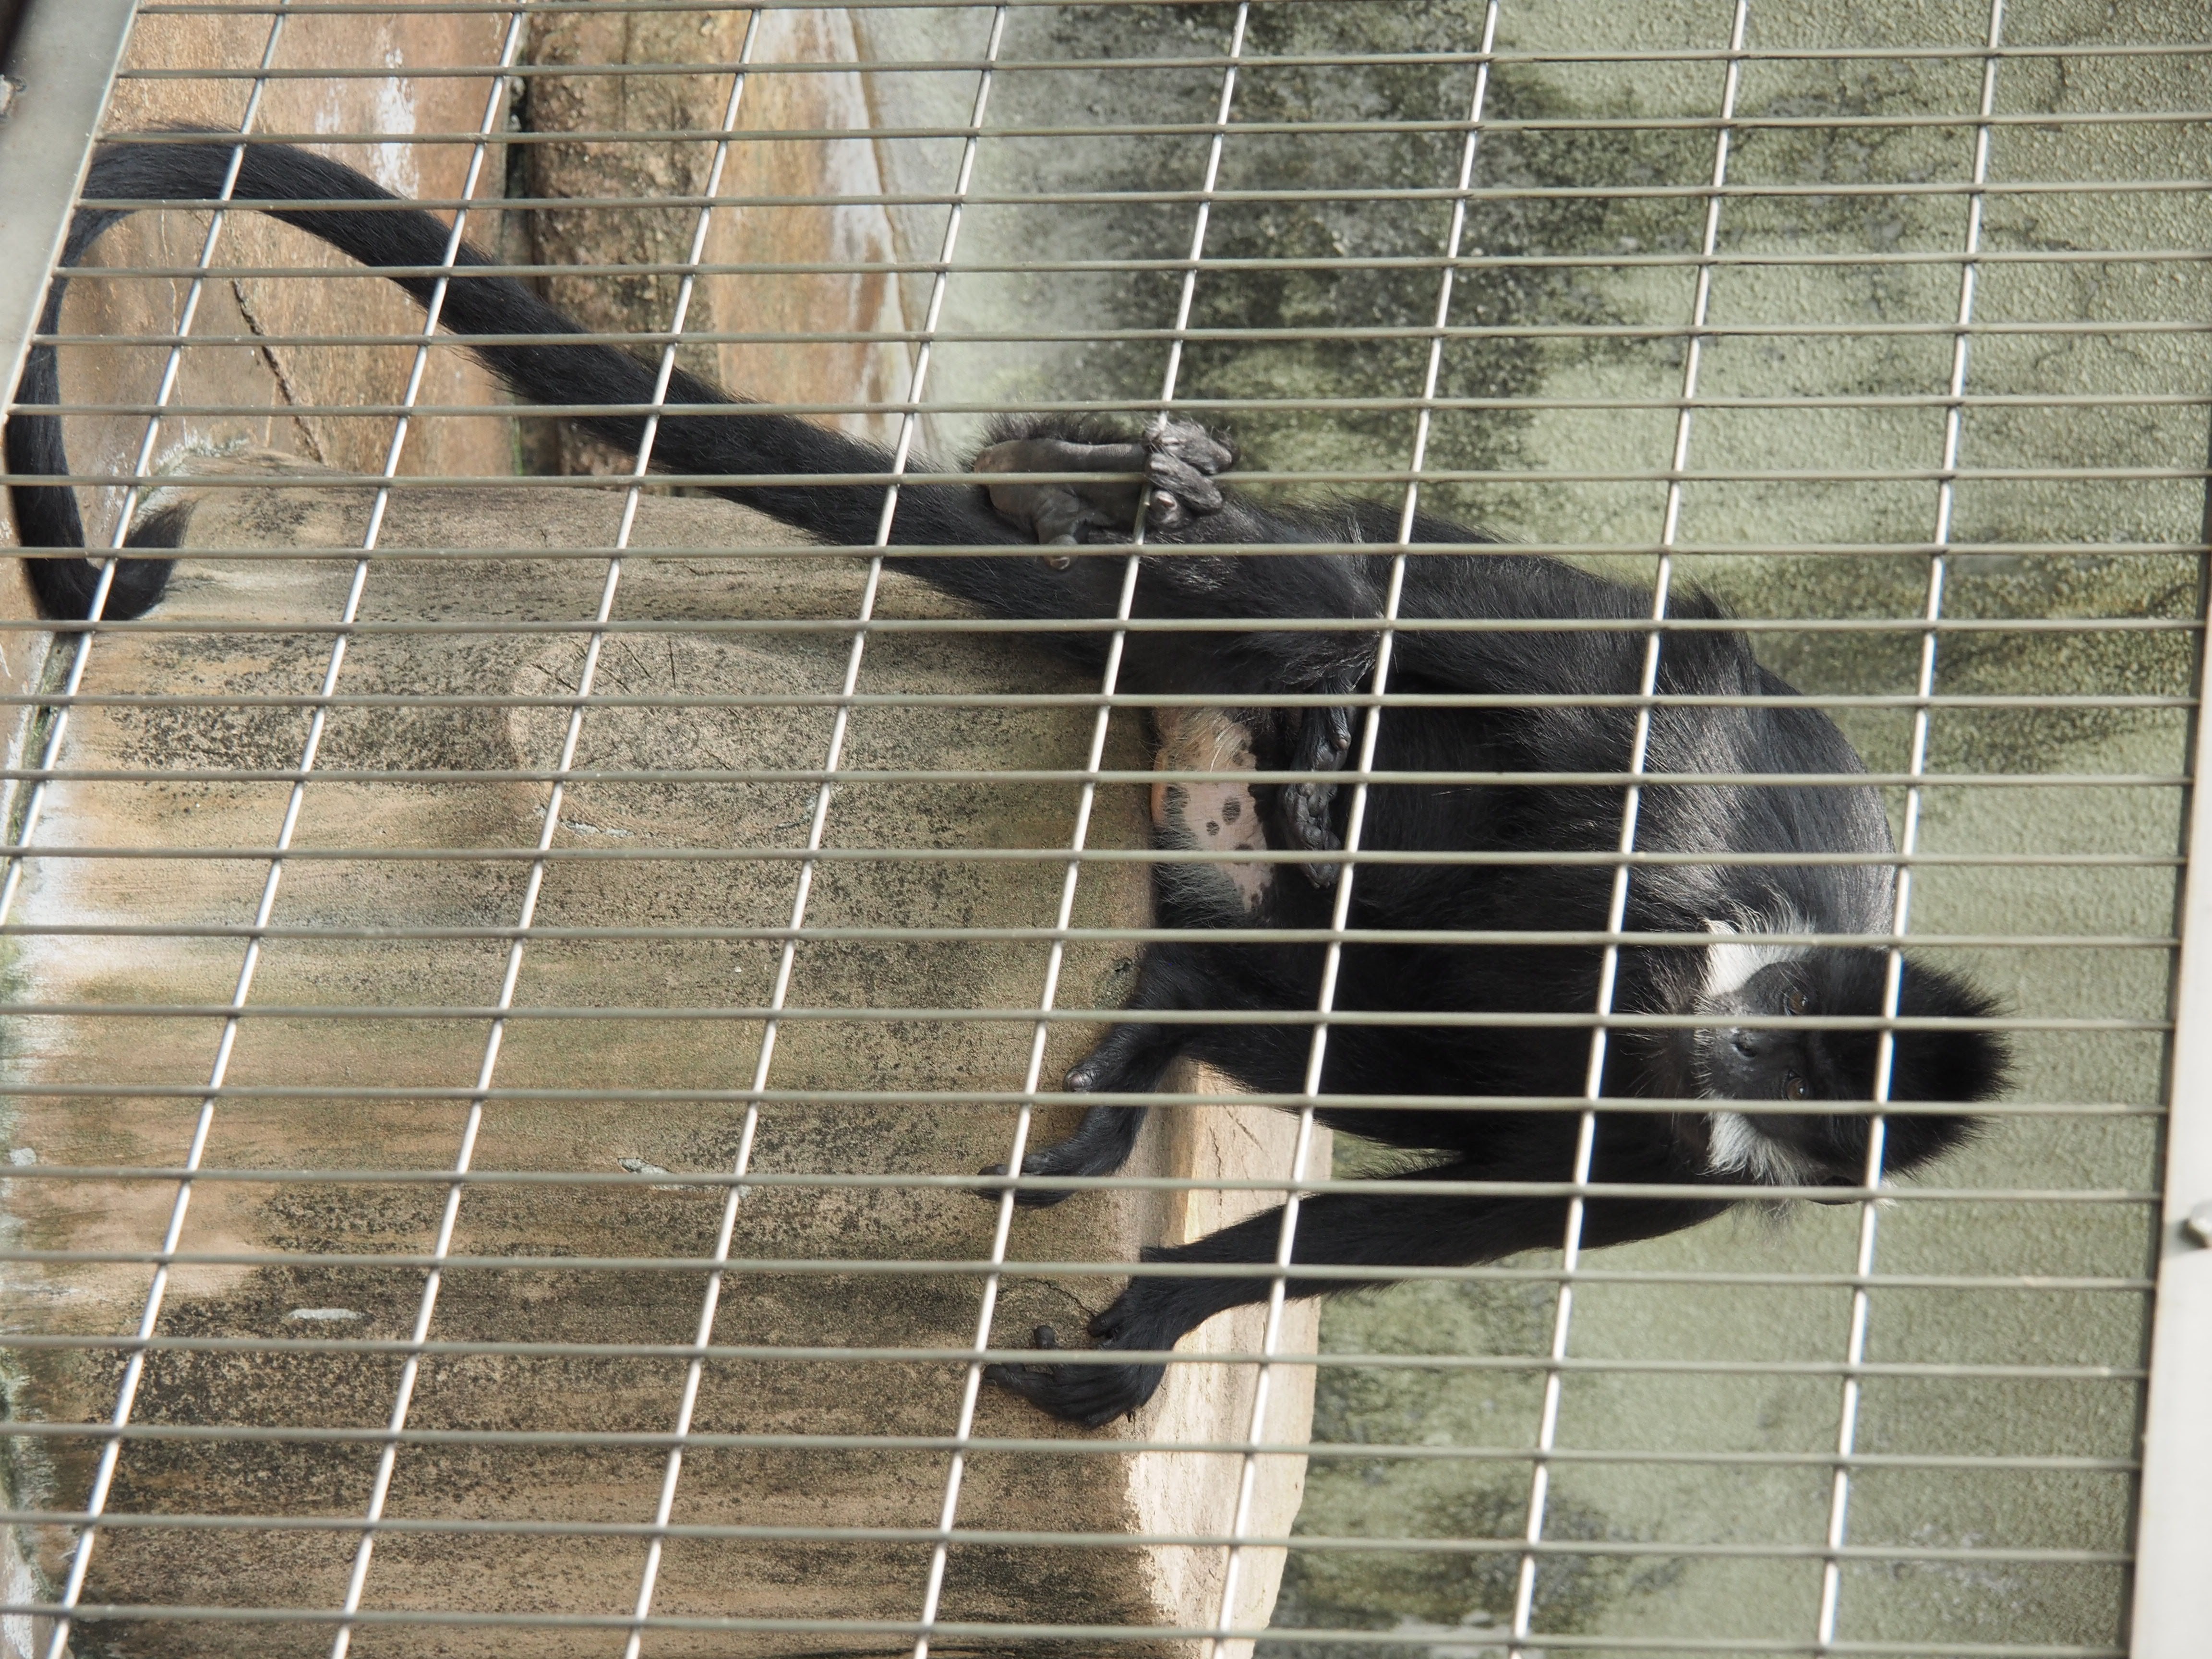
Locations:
{"points": [[623, 1058]]}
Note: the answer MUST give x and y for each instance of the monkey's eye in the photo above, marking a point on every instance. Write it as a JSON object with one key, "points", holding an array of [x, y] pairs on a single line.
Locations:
{"points": [[1795, 1002], [1794, 1087]]}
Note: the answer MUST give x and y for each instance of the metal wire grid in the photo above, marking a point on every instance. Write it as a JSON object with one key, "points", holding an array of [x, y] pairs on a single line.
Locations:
{"points": [[1527, 1543]]}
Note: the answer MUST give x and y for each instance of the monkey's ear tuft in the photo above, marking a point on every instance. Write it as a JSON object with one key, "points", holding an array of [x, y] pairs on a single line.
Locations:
{"points": [[1947, 1064]]}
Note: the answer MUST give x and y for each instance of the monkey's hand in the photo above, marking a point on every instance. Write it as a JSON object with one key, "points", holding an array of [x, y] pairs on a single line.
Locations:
{"points": [[1182, 457], [1093, 1396], [1176, 459], [1128, 1059], [1098, 1148]]}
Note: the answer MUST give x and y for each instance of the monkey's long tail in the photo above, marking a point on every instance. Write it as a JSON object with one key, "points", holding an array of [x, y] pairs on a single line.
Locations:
{"points": [[733, 439]]}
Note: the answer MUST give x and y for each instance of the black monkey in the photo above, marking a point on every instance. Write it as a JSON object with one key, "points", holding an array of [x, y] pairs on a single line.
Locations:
{"points": [[1795, 1053]]}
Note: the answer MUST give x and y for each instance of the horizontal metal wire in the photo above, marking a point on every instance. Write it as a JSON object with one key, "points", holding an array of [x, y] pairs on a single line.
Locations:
{"points": [[951, 64], [765, 551], [935, 1099], [1024, 855], [815, 552], [891, 264], [1351, 335], [955, 1630], [1267, 405], [1159, 855], [1318, 125], [1385, 1019], [834, 934], [1335, 479], [853, 779], [915, 1355], [980, 1537], [1823, 190], [511, 627], [710, 1180], [979, 700], [869, 1268], [1324, 1450]]}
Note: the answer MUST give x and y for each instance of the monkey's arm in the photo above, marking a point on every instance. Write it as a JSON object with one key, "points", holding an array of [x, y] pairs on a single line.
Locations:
{"points": [[1383, 1228]]}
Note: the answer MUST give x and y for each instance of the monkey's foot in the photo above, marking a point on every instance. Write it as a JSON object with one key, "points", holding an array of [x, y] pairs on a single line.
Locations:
{"points": [[1093, 1396], [1029, 1198], [1099, 1146]]}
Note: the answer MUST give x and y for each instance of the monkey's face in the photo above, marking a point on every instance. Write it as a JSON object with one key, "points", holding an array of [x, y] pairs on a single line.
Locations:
{"points": [[1786, 1049]]}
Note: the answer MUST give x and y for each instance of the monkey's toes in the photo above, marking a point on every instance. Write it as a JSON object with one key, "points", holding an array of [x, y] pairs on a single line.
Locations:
{"points": [[1029, 1198], [1339, 722], [1093, 1396]]}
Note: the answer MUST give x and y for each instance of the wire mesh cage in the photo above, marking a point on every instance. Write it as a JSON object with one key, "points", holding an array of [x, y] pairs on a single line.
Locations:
{"points": [[522, 935]]}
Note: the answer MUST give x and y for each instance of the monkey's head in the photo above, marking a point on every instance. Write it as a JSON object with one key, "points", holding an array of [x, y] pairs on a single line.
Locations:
{"points": [[1793, 1053]]}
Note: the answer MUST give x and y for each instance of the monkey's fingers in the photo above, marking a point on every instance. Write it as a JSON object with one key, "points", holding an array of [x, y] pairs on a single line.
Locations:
{"points": [[1324, 745], [1182, 457], [1190, 443], [1306, 806]]}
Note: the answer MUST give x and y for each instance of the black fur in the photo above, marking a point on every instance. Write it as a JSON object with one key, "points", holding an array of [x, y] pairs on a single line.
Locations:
{"points": [[1735, 979]]}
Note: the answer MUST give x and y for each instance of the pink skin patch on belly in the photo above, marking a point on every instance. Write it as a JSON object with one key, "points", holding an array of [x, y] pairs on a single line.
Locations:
{"points": [[1211, 816]]}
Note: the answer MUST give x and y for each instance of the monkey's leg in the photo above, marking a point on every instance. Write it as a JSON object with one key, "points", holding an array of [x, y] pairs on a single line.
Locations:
{"points": [[1339, 1229], [1353, 1229], [1128, 1059]]}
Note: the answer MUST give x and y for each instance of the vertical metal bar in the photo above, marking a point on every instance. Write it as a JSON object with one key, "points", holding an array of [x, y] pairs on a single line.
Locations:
{"points": [[649, 1575], [1002, 1227], [1548, 1421], [1247, 1473], [1855, 1341]]}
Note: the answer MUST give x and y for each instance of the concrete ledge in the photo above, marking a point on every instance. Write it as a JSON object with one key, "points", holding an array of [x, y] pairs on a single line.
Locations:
{"points": [[760, 1485]]}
